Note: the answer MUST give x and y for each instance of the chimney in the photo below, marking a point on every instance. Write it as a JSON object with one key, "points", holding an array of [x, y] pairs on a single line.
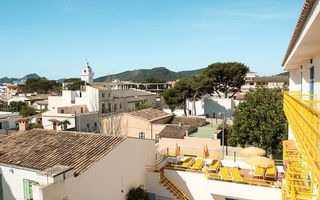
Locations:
{"points": [[23, 124]]}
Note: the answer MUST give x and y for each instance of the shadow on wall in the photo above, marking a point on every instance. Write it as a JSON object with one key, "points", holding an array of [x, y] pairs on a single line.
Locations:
{"points": [[214, 106], [5, 189], [182, 184]]}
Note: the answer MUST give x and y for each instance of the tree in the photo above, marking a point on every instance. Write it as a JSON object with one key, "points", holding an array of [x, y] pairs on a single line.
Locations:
{"points": [[64, 124], [75, 83], [16, 106], [199, 85], [143, 106], [260, 120], [155, 80], [42, 86], [178, 95], [27, 111], [226, 77], [137, 194]]}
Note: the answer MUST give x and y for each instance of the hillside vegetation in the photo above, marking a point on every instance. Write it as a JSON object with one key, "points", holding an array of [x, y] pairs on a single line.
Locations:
{"points": [[141, 75]]}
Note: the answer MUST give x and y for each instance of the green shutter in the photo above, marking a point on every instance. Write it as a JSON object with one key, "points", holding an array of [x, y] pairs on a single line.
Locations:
{"points": [[27, 189], [1, 191]]}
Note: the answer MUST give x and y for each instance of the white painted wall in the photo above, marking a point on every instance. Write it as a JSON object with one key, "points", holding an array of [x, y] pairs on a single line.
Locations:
{"points": [[109, 178], [12, 183], [207, 105], [122, 169], [177, 112], [197, 187], [154, 186]]}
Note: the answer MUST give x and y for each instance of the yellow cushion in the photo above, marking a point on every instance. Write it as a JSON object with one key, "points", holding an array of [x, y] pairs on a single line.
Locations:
{"points": [[225, 173], [214, 165], [198, 163], [271, 171], [258, 171], [236, 175], [187, 162]]}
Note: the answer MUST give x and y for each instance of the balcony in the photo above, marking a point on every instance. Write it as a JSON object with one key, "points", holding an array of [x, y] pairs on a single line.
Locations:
{"points": [[303, 117]]}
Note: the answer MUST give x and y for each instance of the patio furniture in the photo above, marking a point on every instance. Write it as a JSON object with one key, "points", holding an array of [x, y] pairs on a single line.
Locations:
{"points": [[236, 175], [187, 162], [214, 166], [198, 164], [224, 174], [271, 173], [258, 172]]}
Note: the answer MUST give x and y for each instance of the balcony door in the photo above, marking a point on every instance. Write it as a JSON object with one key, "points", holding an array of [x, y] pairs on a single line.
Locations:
{"points": [[311, 81]]}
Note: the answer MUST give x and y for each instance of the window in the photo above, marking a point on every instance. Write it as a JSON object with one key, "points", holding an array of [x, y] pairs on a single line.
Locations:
{"points": [[115, 107], [109, 95], [103, 94], [157, 137], [120, 106], [141, 135], [62, 111], [27, 189], [103, 108]]}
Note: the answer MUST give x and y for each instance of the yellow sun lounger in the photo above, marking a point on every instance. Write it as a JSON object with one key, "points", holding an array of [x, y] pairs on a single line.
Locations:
{"points": [[258, 171], [197, 164], [214, 165], [224, 173], [236, 175], [187, 162], [271, 172]]}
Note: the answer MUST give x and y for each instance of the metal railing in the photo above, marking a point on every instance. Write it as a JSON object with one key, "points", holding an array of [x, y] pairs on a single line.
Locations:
{"points": [[172, 187], [304, 121], [234, 158]]}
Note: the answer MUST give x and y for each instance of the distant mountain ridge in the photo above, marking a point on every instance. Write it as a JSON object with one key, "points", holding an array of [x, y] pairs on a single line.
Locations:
{"points": [[10, 80], [141, 75]]}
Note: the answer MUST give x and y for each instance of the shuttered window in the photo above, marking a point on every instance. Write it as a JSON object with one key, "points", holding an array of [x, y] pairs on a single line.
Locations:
{"points": [[27, 189]]}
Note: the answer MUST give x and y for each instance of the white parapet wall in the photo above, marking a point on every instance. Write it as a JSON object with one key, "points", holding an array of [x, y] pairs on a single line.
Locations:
{"points": [[197, 187]]}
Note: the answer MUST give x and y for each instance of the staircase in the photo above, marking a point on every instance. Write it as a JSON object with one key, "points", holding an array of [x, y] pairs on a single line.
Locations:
{"points": [[171, 187], [296, 174]]}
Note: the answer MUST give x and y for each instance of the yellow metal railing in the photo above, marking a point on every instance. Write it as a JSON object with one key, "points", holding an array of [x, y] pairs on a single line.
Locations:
{"points": [[218, 156], [215, 176], [172, 187], [168, 184], [302, 155], [304, 122]]}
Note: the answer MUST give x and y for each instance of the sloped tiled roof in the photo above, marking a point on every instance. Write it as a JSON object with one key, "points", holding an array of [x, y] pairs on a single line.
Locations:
{"points": [[190, 121], [41, 149], [307, 7], [174, 131], [149, 113], [130, 93]]}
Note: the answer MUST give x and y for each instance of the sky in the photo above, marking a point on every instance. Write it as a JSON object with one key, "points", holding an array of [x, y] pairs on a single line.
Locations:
{"points": [[54, 38]]}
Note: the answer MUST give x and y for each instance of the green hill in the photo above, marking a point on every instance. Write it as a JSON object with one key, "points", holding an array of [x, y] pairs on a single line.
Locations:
{"points": [[283, 74], [10, 80], [141, 75]]}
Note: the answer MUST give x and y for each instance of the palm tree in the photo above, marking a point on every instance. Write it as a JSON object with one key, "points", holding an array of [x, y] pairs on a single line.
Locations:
{"points": [[64, 124]]}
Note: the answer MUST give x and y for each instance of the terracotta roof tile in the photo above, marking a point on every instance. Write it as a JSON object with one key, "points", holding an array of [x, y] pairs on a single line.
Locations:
{"points": [[190, 121], [149, 113], [41, 149], [174, 131], [308, 4]]}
